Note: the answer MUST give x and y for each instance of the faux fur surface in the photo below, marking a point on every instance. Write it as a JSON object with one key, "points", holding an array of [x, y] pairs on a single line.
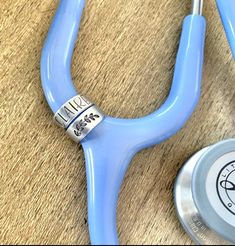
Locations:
{"points": [[124, 61]]}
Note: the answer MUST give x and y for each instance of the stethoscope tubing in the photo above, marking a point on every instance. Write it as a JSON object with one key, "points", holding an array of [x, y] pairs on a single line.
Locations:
{"points": [[110, 147], [57, 54], [227, 14]]}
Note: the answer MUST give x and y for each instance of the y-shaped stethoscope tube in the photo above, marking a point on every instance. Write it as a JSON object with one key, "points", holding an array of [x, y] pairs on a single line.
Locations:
{"points": [[110, 146]]}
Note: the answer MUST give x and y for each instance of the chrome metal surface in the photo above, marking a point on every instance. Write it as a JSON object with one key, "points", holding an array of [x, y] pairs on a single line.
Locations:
{"points": [[78, 117], [213, 188], [187, 211], [85, 123], [197, 7], [71, 109]]}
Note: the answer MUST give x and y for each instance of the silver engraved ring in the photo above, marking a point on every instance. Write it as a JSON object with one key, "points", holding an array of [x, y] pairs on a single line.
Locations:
{"points": [[78, 117]]}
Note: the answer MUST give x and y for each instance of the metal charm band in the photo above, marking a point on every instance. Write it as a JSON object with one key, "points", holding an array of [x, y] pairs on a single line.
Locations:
{"points": [[78, 117], [70, 110]]}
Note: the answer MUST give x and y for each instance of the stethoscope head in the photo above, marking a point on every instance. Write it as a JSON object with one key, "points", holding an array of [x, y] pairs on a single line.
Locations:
{"points": [[205, 195]]}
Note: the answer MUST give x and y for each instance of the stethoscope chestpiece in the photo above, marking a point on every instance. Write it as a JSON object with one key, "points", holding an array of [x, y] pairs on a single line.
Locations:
{"points": [[205, 195]]}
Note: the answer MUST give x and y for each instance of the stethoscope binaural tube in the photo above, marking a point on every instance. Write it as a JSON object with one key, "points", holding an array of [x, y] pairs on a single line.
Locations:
{"points": [[110, 145], [197, 7], [57, 54], [227, 13]]}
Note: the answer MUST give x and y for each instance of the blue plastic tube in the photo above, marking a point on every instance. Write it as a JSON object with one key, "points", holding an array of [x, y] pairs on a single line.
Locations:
{"points": [[58, 51], [110, 147], [227, 14]]}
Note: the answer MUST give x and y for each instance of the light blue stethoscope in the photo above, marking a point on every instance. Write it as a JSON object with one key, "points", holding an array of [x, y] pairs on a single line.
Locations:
{"points": [[110, 143]]}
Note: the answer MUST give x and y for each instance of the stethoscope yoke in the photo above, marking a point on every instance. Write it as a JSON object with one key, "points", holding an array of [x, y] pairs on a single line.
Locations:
{"points": [[109, 143]]}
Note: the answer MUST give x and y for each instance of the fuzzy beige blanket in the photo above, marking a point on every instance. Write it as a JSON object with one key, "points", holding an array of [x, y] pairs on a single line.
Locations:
{"points": [[124, 61]]}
